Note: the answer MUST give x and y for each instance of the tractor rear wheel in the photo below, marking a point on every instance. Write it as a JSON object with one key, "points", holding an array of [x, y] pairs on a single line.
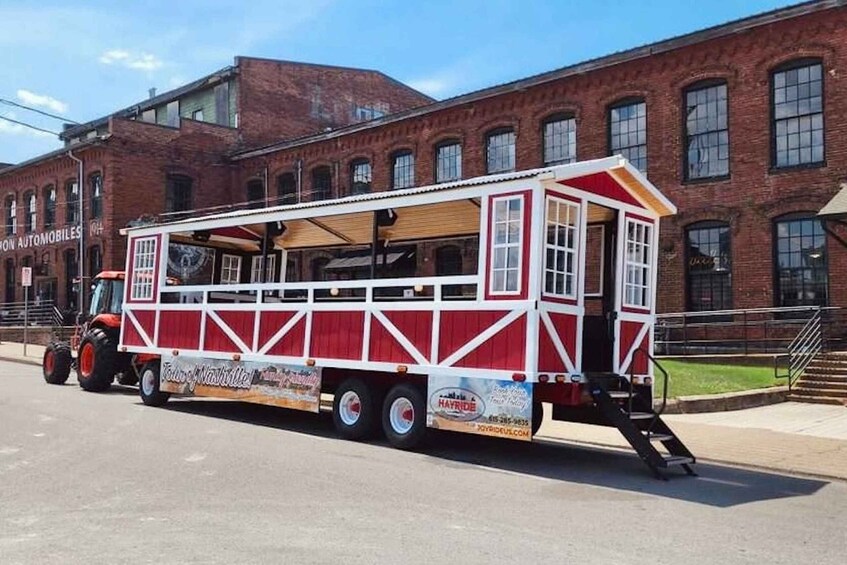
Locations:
{"points": [[56, 364], [96, 361]]}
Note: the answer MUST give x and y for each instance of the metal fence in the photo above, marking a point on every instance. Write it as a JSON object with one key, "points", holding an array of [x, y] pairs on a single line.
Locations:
{"points": [[36, 314]]}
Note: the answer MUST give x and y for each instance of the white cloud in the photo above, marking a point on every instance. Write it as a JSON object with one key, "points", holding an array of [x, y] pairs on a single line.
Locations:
{"points": [[33, 99], [141, 61], [434, 87]]}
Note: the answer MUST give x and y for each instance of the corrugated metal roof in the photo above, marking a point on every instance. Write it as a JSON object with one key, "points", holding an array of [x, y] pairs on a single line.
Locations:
{"points": [[837, 206]]}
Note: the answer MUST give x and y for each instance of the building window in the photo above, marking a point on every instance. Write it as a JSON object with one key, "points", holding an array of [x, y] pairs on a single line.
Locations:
{"points": [[448, 161], [255, 194], [286, 188], [638, 270], [231, 269], [321, 183], [559, 140], [10, 280], [71, 203], [403, 167], [197, 115], [256, 269], [709, 267], [178, 193], [11, 215], [71, 282], [172, 114], [319, 268], [50, 207], [360, 177], [96, 182], [707, 132], [801, 269], [628, 132], [500, 151], [143, 268], [506, 247], [95, 261], [560, 247], [798, 115], [31, 217], [366, 113]]}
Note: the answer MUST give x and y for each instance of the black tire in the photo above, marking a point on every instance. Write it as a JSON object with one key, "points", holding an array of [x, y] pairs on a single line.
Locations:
{"points": [[127, 378], [537, 416], [57, 362], [414, 399], [350, 426], [148, 386], [96, 373]]}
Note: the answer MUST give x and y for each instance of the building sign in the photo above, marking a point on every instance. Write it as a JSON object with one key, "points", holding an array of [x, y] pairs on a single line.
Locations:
{"points": [[287, 386], [35, 240], [480, 406]]}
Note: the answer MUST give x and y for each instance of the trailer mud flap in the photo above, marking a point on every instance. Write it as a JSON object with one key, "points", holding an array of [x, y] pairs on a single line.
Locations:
{"points": [[480, 406]]}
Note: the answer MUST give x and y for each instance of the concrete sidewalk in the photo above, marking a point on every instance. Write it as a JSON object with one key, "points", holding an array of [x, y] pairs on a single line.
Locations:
{"points": [[809, 439]]}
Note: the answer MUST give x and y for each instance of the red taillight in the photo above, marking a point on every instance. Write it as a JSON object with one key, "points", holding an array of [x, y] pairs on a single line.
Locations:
{"points": [[560, 378], [543, 378], [518, 377]]}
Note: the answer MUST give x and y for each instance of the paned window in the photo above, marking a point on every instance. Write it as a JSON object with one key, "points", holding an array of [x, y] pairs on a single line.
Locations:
{"points": [[506, 246], [448, 162], [143, 268], [801, 270], [10, 211], [560, 247], [798, 115], [50, 207], [96, 182], [403, 168], [255, 194], [256, 269], [95, 260], [500, 151], [178, 193], [360, 177], [709, 267], [231, 269], [286, 187], [638, 269], [559, 140], [31, 217], [707, 132], [71, 203], [197, 115], [321, 183], [628, 132]]}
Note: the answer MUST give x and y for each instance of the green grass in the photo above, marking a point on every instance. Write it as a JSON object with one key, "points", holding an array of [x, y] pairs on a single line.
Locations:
{"points": [[690, 378]]}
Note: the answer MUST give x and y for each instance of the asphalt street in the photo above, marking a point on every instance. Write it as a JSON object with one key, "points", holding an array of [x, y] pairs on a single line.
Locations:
{"points": [[100, 478]]}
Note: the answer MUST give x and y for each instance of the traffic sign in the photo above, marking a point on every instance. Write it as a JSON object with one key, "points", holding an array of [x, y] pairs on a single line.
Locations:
{"points": [[26, 276]]}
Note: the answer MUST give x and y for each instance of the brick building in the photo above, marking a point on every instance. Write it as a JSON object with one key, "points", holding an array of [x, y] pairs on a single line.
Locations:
{"points": [[165, 154], [743, 126]]}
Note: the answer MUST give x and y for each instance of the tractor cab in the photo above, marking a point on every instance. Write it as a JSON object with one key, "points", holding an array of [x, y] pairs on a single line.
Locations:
{"points": [[107, 293]]}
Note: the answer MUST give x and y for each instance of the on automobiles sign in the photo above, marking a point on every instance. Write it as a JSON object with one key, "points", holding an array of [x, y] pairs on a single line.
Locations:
{"points": [[31, 240]]}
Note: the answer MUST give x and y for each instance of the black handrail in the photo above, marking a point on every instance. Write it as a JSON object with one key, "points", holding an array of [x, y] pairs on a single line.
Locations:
{"points": [[665, 376]]}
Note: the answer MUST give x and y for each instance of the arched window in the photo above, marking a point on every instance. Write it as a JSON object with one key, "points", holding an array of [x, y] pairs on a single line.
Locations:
{"points": [[360, 177], [559, 132], [178, 193], [797, 111], [286, 188], [31, 215], [500, 151], [321, 183], [255, 194], [402, 170], [801, 261], [10, 213], [708, 266], [448, 161], [71, 202], [628, 131], [49, 207], [96, 183], [706, 130]]}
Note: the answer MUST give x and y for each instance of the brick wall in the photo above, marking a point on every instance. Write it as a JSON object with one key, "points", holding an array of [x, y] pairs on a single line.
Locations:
{"points": [[749, 200]]}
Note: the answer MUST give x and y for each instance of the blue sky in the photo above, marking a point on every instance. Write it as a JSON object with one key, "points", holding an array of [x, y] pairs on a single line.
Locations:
{"points": [[86, 59]]}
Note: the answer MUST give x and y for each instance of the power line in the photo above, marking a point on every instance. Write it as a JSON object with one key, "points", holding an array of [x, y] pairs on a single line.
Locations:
{"points": [[42, 112], [29, 126]]}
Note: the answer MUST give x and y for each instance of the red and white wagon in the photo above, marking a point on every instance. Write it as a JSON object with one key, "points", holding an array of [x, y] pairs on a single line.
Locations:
{"points": [[560, 294]]}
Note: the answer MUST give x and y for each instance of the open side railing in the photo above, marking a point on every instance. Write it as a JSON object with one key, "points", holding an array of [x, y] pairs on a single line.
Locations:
{"points": [[802, 350], [42, 313], [665, 381]]}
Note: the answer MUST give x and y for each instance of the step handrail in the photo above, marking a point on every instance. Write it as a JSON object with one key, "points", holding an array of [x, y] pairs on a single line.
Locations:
{"points": [[665, 377], [802, 350]]}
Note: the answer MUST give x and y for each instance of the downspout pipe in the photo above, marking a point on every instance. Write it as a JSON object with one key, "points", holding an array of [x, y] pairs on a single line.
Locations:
{"points": [[81, 253]]}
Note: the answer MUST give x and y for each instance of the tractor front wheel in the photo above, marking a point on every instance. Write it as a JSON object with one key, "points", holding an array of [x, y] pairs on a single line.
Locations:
{"points": [[96, 361], [56, 364]]}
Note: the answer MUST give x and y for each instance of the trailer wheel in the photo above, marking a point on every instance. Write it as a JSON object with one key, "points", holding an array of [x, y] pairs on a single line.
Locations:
{"points": [[56, 364], [149, 386], [354, 410], [404, 416], [96, 360], [537, 416]]}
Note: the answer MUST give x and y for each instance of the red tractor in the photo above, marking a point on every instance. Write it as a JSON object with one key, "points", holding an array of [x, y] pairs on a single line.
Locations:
{"points": [[95, 340]]}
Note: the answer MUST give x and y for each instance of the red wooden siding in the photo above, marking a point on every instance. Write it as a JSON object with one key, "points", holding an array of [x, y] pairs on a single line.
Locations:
{"points": [[337, 335], [506, 350], [604, 185], [147, 321], [241, 323], [216, 340], [629, 332], [548, 358], [384, 347], [565, 325], [131, 335], [293, 343], [179, 329], [639, 361], [459, 327], [416, 326]]}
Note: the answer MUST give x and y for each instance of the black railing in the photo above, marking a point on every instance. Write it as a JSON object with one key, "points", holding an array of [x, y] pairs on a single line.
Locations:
{"points": [[802, 350], [665, 379], [44, 313]]}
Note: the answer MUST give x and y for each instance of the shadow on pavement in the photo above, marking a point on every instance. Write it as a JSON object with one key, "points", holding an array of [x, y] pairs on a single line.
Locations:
{"points": [[718, 485]]}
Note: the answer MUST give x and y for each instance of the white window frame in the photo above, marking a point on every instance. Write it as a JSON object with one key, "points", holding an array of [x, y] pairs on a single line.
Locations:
{"points": [[143, 269], [256, 269], [572, 211], [640, 262], [227, 269], [507, 245]]}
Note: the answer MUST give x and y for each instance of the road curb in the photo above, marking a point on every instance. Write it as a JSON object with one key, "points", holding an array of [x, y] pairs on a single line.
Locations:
{"points": [[726, 401]]}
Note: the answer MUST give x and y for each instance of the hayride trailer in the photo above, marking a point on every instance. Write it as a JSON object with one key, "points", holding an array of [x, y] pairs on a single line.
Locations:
{"points": [[550, 299]]}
